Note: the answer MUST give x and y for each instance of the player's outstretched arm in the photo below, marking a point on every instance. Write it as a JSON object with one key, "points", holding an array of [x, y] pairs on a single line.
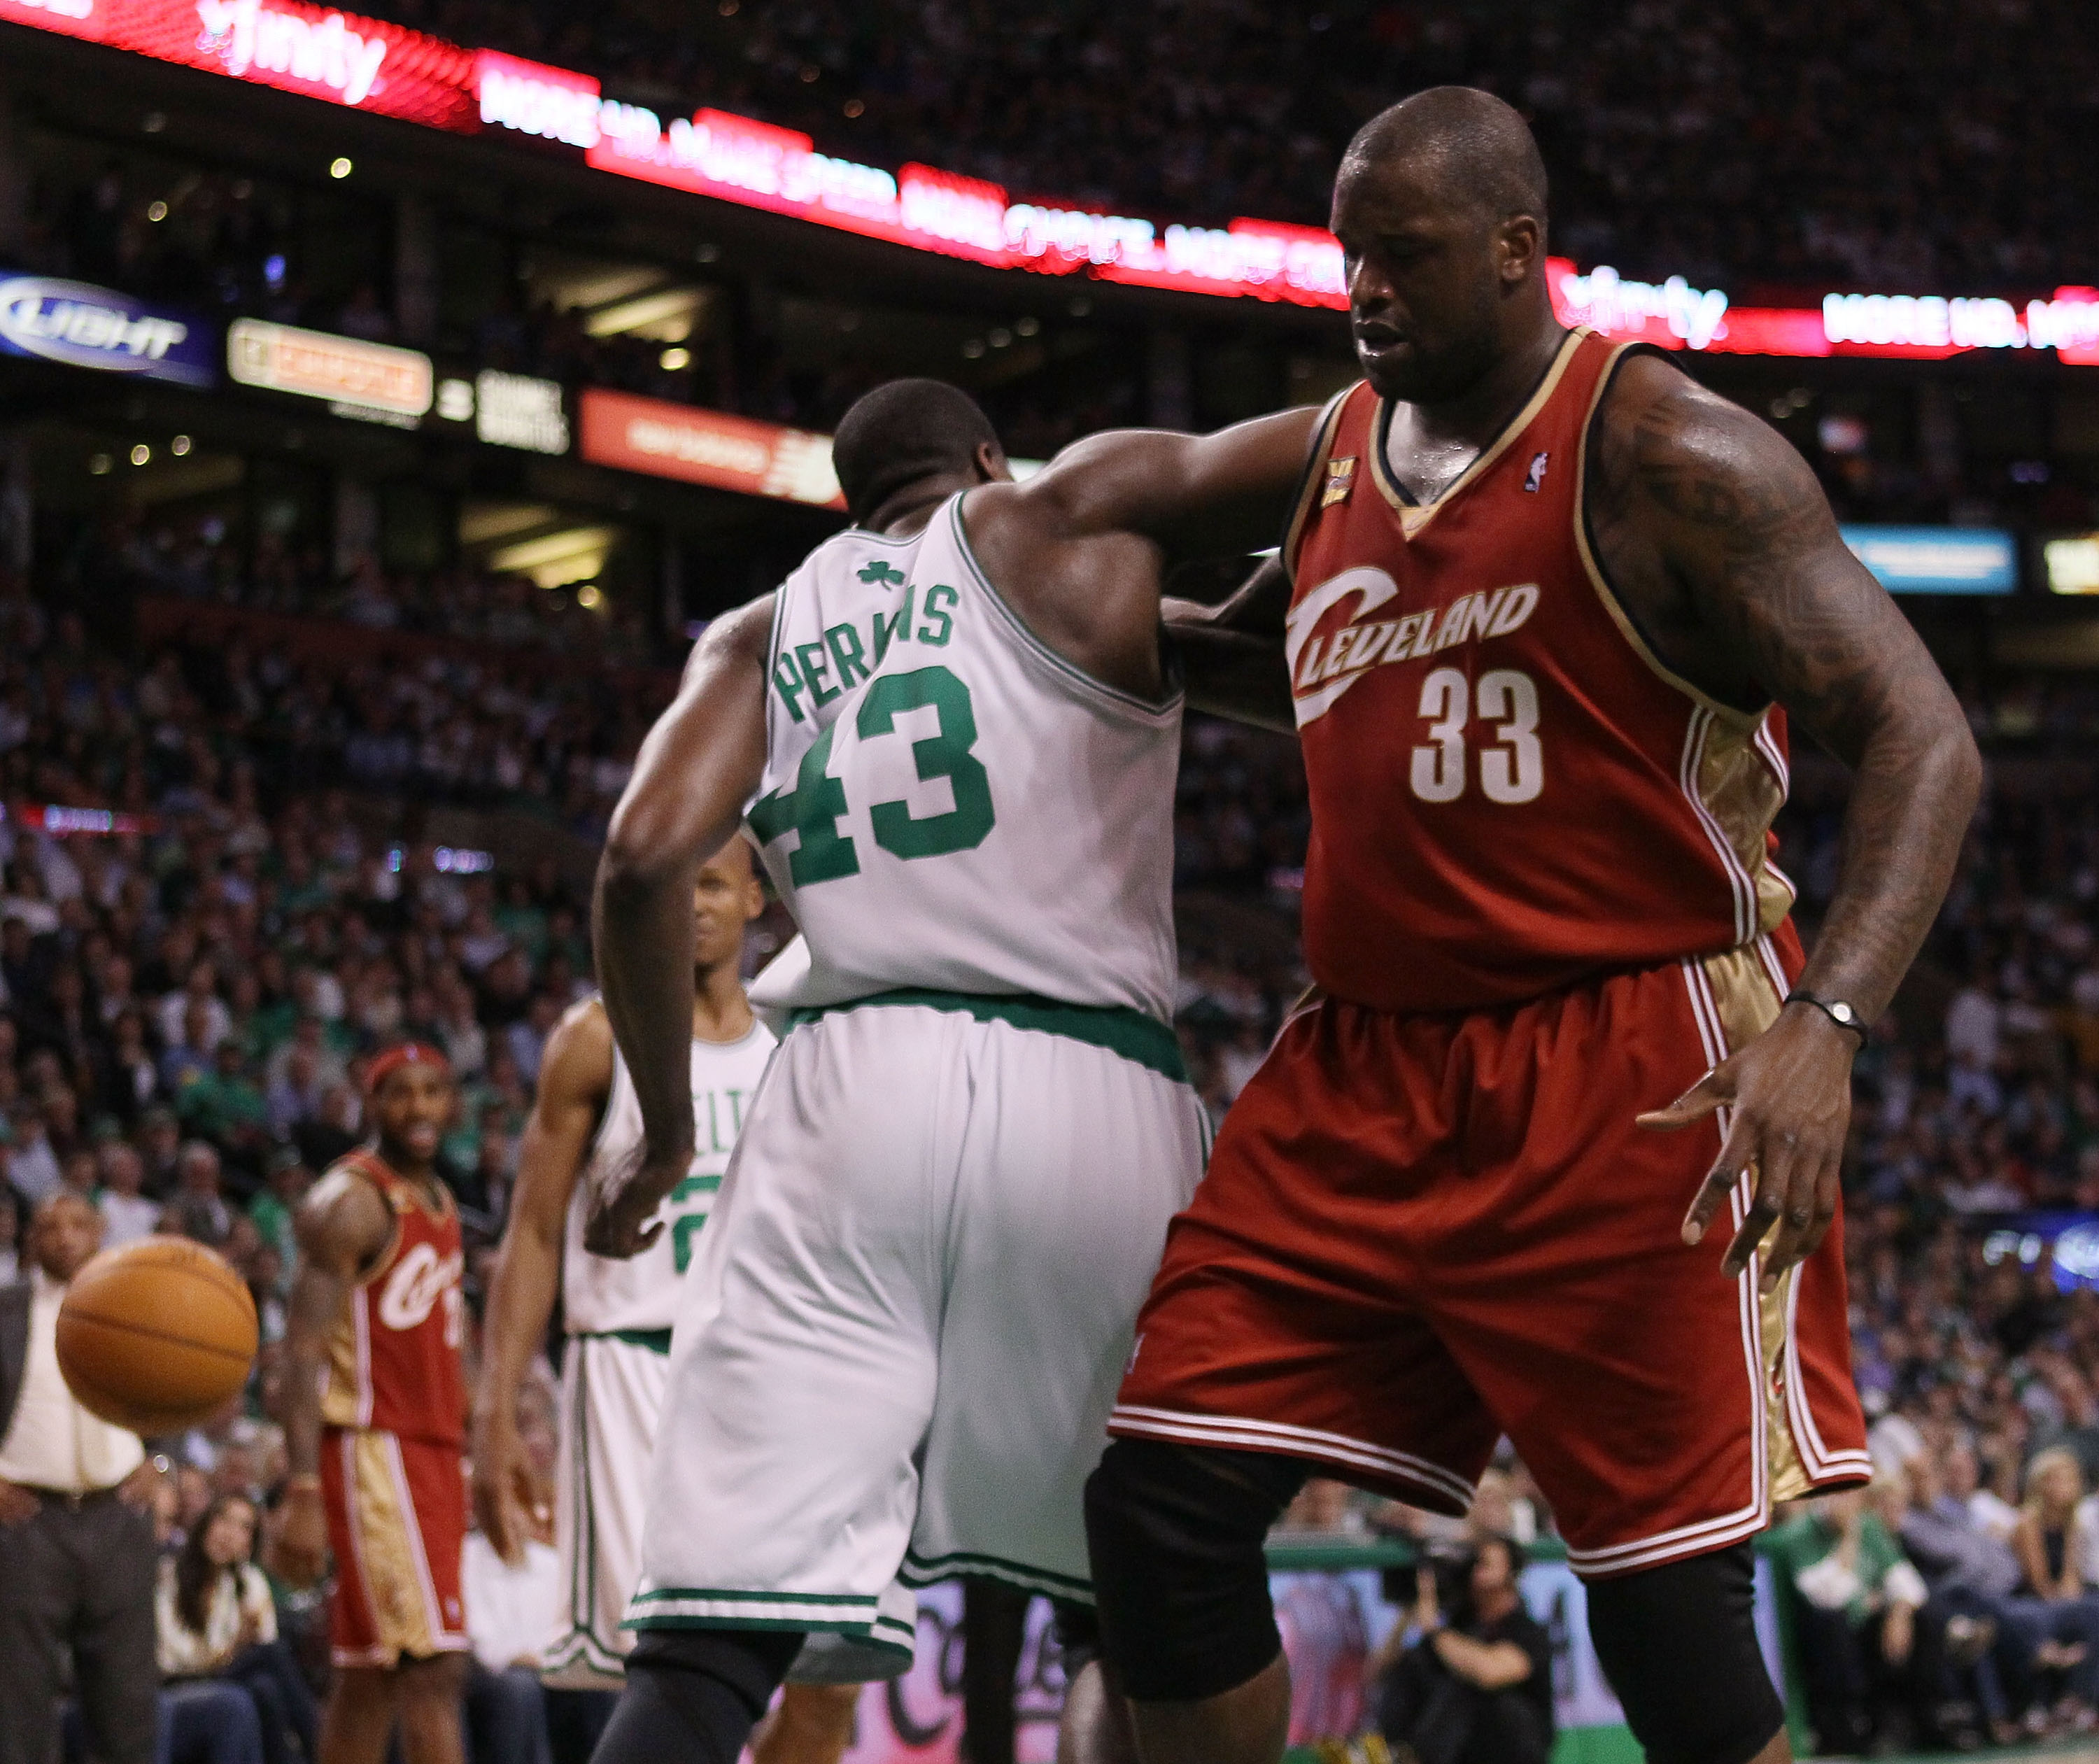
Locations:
{"points": [[1215, 495], [700, 765], [1741, 524], [575, 1077], [342, 1227], [1231, 654]]}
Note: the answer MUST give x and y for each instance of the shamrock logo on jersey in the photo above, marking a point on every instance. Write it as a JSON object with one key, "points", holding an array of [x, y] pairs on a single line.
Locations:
{"points": [[883, 573]]}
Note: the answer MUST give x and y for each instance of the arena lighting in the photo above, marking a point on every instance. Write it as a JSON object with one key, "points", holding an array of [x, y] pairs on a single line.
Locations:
{"points": [[447, 859], [370, 65]]}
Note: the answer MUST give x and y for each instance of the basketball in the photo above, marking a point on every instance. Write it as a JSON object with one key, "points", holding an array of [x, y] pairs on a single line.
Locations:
{"points": [[155, 1335]]}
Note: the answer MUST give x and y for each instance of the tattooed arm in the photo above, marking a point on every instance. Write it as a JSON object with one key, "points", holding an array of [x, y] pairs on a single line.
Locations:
{"points": [[1720, 538]]}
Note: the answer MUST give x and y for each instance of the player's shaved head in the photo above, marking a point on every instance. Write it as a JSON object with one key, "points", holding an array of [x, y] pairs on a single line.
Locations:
{"points": [[1440, 209], [1475, 148], [904, 432]]}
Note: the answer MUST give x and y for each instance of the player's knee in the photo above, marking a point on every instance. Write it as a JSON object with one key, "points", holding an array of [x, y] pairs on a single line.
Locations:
{"points": [[694, 1695], [1176, 1534], [1646, 1625]]}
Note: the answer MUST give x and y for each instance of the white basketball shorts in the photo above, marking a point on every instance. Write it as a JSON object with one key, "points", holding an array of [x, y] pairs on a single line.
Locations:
{"points": [[896, 1356], [612, 1395]]}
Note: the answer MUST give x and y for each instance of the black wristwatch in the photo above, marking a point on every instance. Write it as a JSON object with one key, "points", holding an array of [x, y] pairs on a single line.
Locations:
{"points": [[1835, 1010]]}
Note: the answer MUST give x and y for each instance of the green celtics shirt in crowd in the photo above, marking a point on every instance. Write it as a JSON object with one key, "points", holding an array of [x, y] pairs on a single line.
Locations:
{"points": [[948, 804]]}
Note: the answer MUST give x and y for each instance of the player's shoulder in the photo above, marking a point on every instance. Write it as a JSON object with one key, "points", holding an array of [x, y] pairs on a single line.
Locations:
{"points": [[1698, 454], [346, 1211], [581, 1052]]}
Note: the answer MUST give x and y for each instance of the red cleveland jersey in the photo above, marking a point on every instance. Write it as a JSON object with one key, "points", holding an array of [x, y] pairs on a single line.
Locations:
{"points": [[1509, 790], [393, 1359]]}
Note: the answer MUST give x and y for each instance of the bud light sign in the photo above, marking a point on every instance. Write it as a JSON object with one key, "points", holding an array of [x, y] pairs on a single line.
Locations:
{"points": [[84, 326]]}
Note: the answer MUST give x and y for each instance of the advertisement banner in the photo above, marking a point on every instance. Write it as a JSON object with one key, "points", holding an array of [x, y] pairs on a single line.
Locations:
{"points": [[1931, 559], [357, 378], [84, 326], [660, 439]]}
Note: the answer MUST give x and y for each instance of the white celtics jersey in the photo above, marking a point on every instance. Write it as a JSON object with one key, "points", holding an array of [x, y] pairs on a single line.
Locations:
{"points": [[601, 1296], [948, 804]]}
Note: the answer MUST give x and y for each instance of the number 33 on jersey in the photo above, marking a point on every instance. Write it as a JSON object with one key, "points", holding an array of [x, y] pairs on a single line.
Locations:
{"points": [[1509, 788], [931, 765]]}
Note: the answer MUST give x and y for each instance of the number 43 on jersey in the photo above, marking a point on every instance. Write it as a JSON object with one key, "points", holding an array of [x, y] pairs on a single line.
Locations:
{"points": [[813, 806]]}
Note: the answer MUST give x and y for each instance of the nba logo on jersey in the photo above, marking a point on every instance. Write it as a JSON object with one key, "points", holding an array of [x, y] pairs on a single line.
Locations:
{"points": [[1340, 480], [1535, 476]]}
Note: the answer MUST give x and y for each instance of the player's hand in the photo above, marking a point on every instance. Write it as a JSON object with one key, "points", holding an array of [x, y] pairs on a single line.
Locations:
{"points": [[1790, 1093], [507, 1499], [137, 1490], [618, 1223], [301, 1549], [17, 1506]]}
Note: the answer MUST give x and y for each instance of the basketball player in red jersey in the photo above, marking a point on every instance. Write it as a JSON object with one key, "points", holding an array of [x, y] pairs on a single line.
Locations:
{"points": [[1546, 607], [377, 1423]]}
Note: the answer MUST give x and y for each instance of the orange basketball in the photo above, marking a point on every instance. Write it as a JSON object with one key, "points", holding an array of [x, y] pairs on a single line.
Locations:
{"points": [[155, 1335]]}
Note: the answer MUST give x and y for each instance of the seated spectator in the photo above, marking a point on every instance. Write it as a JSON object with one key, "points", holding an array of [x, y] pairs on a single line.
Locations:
{"points": [[1472, 1686], [510, 1611], [126, 1213], [13, 1214], [215, 1619], [2052, 1550], [198, 1209], [1859, 1596]]}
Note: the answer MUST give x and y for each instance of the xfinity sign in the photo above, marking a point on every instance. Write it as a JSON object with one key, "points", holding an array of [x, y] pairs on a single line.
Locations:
{"points": [[84, 326]]}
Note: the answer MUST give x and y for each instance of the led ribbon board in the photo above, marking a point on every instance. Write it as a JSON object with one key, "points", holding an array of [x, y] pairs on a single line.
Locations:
{"points": [[368, 64]]}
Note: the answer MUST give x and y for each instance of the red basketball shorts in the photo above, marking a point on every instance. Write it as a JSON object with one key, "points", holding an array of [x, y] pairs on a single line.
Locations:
{"points": [[1421, 1233], [397, 1527]]}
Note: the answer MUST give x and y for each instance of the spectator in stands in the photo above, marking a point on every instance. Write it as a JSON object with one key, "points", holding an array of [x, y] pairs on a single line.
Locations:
{"points": [[215, 1618], [1857, 1620], [2053, 1548], [198, 1209], [1472, 1686], [126, 1213]]}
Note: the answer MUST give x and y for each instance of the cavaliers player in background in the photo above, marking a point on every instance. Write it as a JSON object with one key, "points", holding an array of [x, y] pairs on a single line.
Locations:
{"points": [[376, 1425], [1546, 608]]}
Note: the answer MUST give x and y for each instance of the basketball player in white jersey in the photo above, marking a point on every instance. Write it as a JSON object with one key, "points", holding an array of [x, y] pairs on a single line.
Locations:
{"points": [[618, 1314], [953, 734]]}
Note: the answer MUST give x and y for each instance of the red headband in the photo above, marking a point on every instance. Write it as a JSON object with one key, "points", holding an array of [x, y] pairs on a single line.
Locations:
{"points": [[407, 1053]]}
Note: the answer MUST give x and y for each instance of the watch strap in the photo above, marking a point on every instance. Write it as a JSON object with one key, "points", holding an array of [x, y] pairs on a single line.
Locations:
{"points": [[1836, 1009]]}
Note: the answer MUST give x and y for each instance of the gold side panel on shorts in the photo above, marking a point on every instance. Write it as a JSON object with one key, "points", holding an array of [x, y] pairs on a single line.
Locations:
{"points": [[385, 1553], [1748, 1005], [1742, 797]]}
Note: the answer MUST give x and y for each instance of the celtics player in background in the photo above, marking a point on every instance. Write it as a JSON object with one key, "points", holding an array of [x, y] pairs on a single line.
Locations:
{"points": [[953, 734], [618, 1314]]}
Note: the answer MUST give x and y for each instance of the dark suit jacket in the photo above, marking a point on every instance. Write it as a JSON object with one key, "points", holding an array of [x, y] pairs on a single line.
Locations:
{"points": [[13, 1346]]}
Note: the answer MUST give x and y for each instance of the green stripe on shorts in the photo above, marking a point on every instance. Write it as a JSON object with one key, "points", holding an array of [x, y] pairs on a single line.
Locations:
{"points": [[1117, 1027]]}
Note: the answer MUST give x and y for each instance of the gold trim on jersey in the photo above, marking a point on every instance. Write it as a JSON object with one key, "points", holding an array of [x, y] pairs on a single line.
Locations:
{"points": [[1748, 1004], [1739, 792], [1414, 516], [1315, 478]]}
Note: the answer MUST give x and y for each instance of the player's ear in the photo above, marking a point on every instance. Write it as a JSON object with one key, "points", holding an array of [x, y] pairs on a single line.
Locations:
{"points": [[991, 464], [1519, 248]]}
